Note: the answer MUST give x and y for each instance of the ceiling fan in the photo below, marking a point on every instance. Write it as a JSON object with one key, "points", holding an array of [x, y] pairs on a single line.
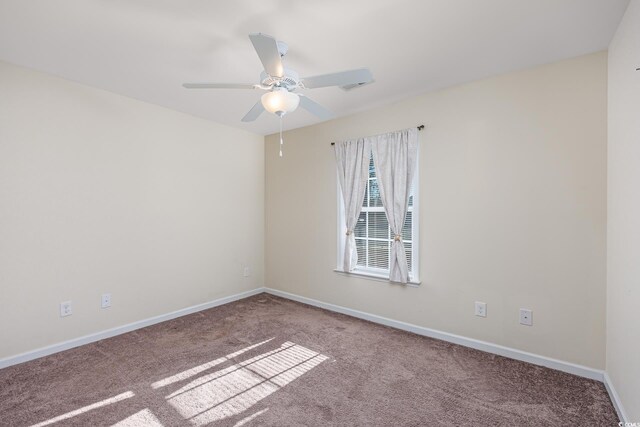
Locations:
{"points": [[283, 83]]}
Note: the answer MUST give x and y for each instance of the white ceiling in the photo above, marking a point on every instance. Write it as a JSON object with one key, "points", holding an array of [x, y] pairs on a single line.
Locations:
{"points": [[146, 49]]}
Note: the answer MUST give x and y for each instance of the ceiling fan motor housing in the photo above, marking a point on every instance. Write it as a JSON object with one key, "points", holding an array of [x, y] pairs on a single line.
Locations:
{"points": [[289, 80]]}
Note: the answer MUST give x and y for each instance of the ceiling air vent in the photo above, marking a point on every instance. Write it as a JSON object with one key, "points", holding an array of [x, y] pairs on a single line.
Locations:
{"points": [[355, 85]]}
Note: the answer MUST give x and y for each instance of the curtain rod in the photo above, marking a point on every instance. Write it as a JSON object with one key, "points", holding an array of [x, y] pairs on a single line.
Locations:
{"points": [[419, 128]]}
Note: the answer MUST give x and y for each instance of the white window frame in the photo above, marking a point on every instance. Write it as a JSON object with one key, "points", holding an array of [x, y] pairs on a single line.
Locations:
{"points": [[375, 273]]}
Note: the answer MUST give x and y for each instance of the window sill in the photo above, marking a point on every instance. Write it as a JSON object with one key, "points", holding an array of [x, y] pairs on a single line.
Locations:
{"points": [[375, 277]]}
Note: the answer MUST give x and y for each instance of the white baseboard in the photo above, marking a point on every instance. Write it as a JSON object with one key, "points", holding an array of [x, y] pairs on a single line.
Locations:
{"points": [[582, 371], [66, 345], [613, 394]]}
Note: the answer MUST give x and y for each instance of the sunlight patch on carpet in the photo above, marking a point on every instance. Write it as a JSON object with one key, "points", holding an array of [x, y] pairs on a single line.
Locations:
{"points": [[87, 408], [144, 418], [250, 418], [235, 389], [201, 368]]}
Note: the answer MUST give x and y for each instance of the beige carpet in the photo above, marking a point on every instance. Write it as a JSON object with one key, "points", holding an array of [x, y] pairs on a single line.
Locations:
{"points": [[268, 361]]}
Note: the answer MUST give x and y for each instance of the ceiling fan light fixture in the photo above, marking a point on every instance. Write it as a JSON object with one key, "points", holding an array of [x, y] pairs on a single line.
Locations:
{"points": [[280, 101]]}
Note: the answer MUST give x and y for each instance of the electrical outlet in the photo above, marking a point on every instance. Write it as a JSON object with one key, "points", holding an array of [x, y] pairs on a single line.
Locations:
{"points": [[65, 309], [247, 271], [105, 301], [526, 317], [481, 309]]}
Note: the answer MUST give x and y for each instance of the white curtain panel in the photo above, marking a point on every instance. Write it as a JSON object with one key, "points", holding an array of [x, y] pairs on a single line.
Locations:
{"points": [[352, 158], [394, 157]]}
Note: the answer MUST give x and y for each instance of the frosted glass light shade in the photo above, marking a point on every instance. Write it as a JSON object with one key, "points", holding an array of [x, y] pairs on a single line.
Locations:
{"points": [[280, 101]]}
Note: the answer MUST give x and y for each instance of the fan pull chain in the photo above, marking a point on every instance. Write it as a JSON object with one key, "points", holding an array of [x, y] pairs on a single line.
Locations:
{"points": [[280, 136]]}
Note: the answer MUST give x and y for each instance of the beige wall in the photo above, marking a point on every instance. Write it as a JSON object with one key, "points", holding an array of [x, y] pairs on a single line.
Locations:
{"points": [[102, 193], [513, 210], [623, 263]]}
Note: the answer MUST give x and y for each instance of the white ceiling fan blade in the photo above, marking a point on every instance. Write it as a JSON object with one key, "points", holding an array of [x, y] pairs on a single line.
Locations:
{"points": [[218, 86], [343, 78], [315, 108], [255, 111], [267, 49]]}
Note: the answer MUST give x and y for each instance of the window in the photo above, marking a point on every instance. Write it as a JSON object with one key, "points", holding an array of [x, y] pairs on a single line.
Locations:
{"points": [[373, 234]]}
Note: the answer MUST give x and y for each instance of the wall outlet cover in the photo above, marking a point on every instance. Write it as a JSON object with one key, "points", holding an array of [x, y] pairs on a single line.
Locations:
{"points": [[65, 309], [526, 317], [481, 309], [105, 301]]}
